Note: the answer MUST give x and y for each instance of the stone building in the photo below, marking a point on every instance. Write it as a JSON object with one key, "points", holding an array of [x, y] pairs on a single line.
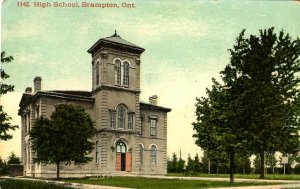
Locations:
{"points": [[131, 135]]}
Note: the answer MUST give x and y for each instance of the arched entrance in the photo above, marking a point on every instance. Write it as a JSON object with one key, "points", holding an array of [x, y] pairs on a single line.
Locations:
{"points": [[123, 157]]}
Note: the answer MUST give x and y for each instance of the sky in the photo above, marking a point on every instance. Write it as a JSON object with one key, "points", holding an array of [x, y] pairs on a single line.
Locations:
{"points": [[186, 45]]}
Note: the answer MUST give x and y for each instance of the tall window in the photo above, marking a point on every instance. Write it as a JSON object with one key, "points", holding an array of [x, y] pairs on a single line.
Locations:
{"points": [[141, 154], [113, 119], [28, 121], [37, 112], [97, 152], [153, 126], [142, 125], [130, 120], [126, 74], [121, 117], [153, 155], [118, 72], [97, 74]]}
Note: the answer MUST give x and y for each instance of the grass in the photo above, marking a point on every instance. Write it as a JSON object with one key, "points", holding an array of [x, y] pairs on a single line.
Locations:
{"points": [[245, 176], [22, 184], [151, 183]]}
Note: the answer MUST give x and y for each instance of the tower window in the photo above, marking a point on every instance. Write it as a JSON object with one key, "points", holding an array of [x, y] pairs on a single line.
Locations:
{"points": [[121, 117], [118, 72], [126, 74], [130, 120]]}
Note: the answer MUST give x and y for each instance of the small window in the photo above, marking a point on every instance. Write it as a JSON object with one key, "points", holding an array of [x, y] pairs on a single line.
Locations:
{"points": [[130, 120], [121, 117], [121, 147], [97, 152], [153, 155], [37, 112], [141, 154], [118, 72], [142, 126], [153, 126], [126, 74], [113, 120]]}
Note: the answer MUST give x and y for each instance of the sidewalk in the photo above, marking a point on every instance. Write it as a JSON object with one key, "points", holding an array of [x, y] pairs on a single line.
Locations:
{"points": [[289, 183]]}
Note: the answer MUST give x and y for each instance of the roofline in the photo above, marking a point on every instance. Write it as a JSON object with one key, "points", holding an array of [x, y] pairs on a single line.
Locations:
{"points": [[154, 107], [55, 95], [107, 41]]}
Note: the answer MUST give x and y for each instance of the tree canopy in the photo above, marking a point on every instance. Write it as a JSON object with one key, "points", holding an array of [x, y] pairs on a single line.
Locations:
{"points": [[65, 138], [5, 125], [256, 107]]}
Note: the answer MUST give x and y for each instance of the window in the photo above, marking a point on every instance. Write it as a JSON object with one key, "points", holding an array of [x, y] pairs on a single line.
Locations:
{"points": [[153, 155], [141, 154], [130, 120], [126, 74], [113, 119], [37, 112], [97, 74], [153, 126], [28, 121], [121, 117], [97, 152], [118, 72], [121, 147], [142, 126]]}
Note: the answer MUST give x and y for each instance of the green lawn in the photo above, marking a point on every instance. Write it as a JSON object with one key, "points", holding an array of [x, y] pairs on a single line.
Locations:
{"points": [[245, 176], [22, 184], [147, 183]]}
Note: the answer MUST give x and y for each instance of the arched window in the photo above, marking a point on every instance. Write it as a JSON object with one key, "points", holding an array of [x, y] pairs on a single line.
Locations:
{"points": [[121, 147], [97, 152], [153, 155], [141, 154], [118, 72], [126, 74], [121, 117]]}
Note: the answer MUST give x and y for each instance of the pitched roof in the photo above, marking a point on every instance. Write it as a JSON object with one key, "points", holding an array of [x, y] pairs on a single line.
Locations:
{"points": [[115, 39]]}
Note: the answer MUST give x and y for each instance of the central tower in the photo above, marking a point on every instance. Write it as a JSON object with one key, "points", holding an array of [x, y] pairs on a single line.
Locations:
{"points": [[116, 89]]}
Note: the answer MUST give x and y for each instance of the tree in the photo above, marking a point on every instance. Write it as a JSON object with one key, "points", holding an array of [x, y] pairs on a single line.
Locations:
{"points": [[13, 159], [197, 164], [267, 66], [65, 138], [3, 167], [218, 129], [172, 164], [180, 164], [5, 125]]}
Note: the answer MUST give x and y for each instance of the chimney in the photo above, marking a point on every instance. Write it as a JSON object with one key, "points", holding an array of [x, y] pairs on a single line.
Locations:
{"points": [[28, 90], [37, 83], [153, 99]]}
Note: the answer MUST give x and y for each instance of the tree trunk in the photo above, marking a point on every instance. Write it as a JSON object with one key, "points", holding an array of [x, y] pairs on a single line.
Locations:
{"points": [[244, 169], [262, 165], [209, 166], [57, 170], [231, 168]]}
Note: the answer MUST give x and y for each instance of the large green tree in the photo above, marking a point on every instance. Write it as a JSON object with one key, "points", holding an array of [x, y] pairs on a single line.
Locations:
{"points": [[265, 68], [65, 138], [5, 125]]}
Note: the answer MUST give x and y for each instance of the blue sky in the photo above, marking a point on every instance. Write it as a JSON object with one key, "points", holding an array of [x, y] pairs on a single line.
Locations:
{"points": [[186, 45]]}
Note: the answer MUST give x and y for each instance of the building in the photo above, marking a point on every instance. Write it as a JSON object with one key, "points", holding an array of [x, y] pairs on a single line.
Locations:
{"points": [[132, 135]]}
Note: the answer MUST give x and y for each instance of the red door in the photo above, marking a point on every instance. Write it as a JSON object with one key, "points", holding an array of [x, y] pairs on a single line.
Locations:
{"points": [[128, 162], [118, 162]]}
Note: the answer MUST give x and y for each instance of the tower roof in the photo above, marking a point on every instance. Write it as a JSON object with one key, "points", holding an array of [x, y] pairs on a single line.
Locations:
{"points": [[115, 40]]}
